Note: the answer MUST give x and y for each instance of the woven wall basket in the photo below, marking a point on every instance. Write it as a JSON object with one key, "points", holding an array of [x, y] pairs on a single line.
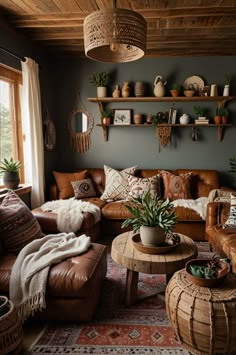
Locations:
{"points": [[11, 333], [204, 319]]}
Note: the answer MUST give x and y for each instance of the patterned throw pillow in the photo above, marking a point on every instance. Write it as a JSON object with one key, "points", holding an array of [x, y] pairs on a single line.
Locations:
{"points": [[117, 186], [137, 186], [83, 188], [63, 181], [176, 186], [231, 221], [18, 226]]}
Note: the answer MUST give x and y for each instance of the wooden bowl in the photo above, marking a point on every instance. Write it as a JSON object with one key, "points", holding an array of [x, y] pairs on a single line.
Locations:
{"points": [[202, 281], [189, 93], [160, 249]]}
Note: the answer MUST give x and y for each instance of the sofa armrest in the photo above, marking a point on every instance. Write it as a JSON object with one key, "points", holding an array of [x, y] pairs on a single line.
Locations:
{"points": [[213, 213]]}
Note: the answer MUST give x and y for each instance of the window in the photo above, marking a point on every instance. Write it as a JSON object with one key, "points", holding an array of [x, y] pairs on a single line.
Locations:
{"points": [[11, 137]]}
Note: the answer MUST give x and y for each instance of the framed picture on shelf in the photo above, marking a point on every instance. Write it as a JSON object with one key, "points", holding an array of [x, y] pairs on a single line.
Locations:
{"points": [[122, 116]]}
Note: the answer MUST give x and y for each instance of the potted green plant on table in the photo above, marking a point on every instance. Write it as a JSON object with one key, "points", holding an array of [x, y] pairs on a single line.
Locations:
{"points": [[152, 217], [106, 116], [175, 89], [10, 170], [100, 80]]}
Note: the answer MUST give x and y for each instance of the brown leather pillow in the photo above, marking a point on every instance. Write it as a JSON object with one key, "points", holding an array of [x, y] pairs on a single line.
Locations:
{"points": [[63, 181], [18, 226]]}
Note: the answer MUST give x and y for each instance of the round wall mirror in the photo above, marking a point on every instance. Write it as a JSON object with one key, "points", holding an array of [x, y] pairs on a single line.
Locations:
{"points": [[80, 124]]}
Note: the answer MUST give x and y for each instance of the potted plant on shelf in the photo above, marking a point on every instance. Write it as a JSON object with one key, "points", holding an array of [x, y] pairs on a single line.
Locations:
{"points": [[106, 116], [100, 80], [175, 89], [200, 112], [225, 114], [189, 92], [152, 217], [10, 170]]}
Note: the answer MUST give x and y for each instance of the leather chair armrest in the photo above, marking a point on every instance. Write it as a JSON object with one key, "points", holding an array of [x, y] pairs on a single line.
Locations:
{"points": [[213, 213]]}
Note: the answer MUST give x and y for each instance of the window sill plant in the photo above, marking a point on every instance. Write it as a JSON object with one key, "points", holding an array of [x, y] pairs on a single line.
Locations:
{"points": [[10, 170], [152, 217]]}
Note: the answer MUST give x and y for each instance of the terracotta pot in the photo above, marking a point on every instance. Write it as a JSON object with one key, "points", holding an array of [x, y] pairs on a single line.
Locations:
{"points": [[224, 119], [217, 119], [106, 120], [174, 93], [138, 118]]}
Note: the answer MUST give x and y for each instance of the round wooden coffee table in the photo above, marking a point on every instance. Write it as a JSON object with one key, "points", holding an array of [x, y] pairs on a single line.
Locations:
{"points": [[125, 254]]}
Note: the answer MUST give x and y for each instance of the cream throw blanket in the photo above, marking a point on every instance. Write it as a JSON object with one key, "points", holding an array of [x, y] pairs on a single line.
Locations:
{"points": [[30, 271], [70, 213], [199, 205]]}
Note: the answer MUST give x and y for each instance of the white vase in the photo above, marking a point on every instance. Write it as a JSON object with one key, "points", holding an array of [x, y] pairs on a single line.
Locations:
{"points": [[152, 236], [226, 90], [184, 119], [101, 91]]}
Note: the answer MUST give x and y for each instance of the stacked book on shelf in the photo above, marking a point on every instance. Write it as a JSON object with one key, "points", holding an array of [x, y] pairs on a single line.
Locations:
{"points": [[202, 120]]}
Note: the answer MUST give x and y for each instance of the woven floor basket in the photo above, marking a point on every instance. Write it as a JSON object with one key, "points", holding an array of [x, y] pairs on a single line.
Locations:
{"points": [[11, 333], [204, 319]]}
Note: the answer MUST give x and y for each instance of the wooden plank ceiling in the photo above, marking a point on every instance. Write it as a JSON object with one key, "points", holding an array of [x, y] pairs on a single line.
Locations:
{"points": [[175, 27]]}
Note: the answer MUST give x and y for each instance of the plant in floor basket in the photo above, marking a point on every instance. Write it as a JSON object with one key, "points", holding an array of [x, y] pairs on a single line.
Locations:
{"points": [[10, 170], [152, 217]]}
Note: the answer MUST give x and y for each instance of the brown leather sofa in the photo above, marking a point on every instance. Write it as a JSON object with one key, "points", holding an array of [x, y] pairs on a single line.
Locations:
{"points": [[114, 213], [73, 286], [223, 240]]}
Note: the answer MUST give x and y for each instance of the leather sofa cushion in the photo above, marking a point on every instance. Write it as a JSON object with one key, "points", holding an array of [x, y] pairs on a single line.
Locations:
{"points": [[71, 278], [115, 210], [63, 181]]}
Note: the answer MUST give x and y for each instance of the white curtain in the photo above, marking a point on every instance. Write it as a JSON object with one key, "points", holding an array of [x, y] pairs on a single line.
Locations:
{"points": [[32, 127]]}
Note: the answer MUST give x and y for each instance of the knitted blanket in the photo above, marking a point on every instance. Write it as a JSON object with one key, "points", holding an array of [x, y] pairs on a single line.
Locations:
{"points": [[70, 213], [30, 271], [199, 205]]}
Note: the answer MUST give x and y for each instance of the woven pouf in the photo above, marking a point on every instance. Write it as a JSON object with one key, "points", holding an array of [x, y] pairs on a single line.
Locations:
{"points": [[204, 319], [11, 332]]}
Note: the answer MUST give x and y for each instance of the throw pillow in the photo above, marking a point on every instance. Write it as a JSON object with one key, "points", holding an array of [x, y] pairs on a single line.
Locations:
{"points": [[83, 188], [117, 186], [137, 186], [63, 181], [219, 195], [231, 221], [176, 186], [18, 226]]}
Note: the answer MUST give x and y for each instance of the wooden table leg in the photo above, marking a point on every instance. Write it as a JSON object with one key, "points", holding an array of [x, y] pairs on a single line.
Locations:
{"points": [[131, 287]]}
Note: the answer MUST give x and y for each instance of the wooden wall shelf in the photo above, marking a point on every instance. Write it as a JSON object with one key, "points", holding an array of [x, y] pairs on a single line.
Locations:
{"points": [[220, 128], [221, 100]]}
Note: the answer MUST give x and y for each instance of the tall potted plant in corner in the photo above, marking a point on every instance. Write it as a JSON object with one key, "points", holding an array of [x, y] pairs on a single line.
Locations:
{"points": [[152, 217], [10, 170], [100, 80]]}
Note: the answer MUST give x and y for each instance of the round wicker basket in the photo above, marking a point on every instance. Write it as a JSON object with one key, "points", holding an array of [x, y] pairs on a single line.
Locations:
{"points": [[204, 319], [11, 332]]}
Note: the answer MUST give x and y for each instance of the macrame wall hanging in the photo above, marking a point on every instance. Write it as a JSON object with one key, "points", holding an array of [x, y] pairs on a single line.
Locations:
{"points": [[163, 133], [80, 125]]}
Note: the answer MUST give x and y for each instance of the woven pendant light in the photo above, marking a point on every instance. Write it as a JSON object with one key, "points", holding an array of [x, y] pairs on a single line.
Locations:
{"points": [[115, 35]]}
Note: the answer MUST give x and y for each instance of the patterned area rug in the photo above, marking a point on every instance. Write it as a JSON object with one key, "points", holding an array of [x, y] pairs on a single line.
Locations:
{"points": [[140, 329]]}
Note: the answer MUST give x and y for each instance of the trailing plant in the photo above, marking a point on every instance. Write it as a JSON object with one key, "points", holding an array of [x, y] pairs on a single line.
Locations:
{"points": [[150, 211], [10, 165], [199, 111], [100, 79]]}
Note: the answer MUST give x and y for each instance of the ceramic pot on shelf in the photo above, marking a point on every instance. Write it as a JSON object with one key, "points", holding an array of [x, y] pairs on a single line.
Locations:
{"points": [[125, 90], [184, 119], [226, 90], [138, 118], [159, 86], [116, 92]]}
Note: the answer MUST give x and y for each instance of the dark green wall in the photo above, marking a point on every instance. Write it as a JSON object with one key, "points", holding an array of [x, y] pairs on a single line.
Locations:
{"points": [[128, 146]]}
